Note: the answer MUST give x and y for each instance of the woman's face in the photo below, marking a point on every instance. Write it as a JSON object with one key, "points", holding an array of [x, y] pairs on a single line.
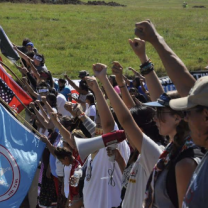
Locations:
{"points": [[36, 62], [66, 161], [166, 122], [87, 101]]}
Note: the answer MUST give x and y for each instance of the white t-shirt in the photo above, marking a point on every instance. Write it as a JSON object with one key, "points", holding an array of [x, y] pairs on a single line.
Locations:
{"points": [[140, 172], [61, 100], [91, 111], [97, 192]]}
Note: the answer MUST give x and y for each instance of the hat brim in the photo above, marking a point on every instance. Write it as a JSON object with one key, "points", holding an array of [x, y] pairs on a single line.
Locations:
{"points": [[154, 104], [181, 104]]}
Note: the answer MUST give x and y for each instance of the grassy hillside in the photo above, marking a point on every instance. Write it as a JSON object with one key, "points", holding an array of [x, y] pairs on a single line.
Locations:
{"points": [[73, 37]]}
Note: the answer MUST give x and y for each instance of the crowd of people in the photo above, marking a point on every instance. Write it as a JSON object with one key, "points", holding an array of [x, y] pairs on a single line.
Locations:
{"points": [[161, 163]]}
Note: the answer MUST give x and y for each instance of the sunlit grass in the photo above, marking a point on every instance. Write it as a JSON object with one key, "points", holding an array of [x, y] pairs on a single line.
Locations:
{"points": [[73, 37]]}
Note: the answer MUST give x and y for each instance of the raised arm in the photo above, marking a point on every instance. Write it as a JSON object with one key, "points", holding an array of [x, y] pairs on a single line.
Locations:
{"points": [[152, 81], [22, 55], [41, 118], [42, 109], [75, 86], [50, 147], [35, 71], [126, 120], [63, 131], [29, 88], [175, 68], [117, 69], [105, 114]]}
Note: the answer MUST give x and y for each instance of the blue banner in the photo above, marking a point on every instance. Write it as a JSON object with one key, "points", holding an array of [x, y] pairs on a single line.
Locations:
{"points": [[20, 153]]}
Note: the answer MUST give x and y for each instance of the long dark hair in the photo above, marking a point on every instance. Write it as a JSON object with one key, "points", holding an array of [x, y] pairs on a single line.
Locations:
{"points": [[143, 116], [62, 152], [182, 128]]}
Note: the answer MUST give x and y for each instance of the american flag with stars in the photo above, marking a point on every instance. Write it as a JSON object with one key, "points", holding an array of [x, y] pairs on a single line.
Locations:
{"points": [[5, 92]]}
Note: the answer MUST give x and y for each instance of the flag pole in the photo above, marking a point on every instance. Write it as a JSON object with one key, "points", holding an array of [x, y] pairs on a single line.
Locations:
{"points": [[12, 72], [20, 82], [18, 115]]}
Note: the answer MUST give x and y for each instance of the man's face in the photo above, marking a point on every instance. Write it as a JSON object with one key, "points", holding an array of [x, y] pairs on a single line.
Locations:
{"points": [[198, 124], [61, 84]]}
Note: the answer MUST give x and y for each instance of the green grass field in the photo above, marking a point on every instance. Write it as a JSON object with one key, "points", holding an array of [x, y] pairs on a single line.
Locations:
{"points": [[73, 37]]}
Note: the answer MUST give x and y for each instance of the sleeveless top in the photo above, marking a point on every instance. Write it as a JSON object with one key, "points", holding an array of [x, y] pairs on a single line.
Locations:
{"points": [[165, 187]]}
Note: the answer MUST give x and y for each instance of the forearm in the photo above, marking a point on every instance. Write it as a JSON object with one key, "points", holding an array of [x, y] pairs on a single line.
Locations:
{"points": [[44, 114], [64, 132], [126, 97], [106, 117], [123, 115], [31, 91], [175, 68], [22, 55], [41, 119], [32, 80], [51, 148], [154, 86], [35, 71]]}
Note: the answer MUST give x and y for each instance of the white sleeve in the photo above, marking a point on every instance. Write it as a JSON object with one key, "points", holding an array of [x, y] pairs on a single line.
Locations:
{"points": [[92, 110], [150, 154]]}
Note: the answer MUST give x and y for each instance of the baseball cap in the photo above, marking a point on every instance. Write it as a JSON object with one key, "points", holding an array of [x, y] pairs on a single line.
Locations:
{"points": [[197, 96], [30, 44], [163, 101], [83, 74]]}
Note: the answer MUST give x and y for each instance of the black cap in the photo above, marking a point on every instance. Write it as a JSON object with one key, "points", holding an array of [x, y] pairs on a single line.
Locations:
{"points": [[83, 74]]}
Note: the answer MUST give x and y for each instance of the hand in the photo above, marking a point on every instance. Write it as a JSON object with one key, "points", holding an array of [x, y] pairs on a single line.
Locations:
{"points": [[117, 70], [23, 70], [66, 76], [14, 47], [92, 83], [53, 116], [138, 47], [32, 105], [44, 139], [77, 110], [111, 152], [146, 31], [68, 106], [100, 70], [24, 80], [37, 102], [43, 99]]}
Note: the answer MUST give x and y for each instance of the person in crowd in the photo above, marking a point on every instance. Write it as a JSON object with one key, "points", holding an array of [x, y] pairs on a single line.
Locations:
{"points": [[62, 88], [82, 89], [135, 94], [91, 108], [112, 80], [98, 164], [181, 156], [193, 102], [30, 47], [23, 48], [170, 124]]}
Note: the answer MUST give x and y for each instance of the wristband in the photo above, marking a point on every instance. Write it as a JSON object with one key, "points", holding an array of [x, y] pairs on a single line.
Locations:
{"points": [[122, 86]]}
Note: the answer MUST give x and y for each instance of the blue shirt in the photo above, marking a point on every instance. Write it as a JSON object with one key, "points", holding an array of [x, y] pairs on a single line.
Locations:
{"points": [[65, 91]]}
